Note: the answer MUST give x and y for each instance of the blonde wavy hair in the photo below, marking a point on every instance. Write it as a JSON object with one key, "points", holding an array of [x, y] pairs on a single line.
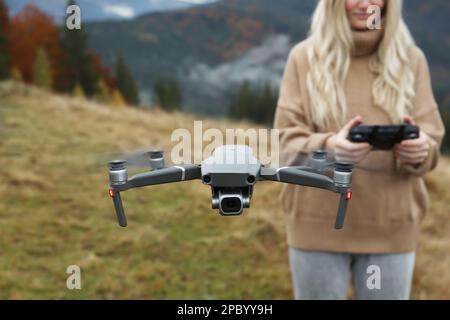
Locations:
{"points": [[329, 59]]}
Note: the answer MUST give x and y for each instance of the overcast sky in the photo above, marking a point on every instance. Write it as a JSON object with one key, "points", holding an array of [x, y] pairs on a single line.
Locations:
{"points": [[105, 9]]}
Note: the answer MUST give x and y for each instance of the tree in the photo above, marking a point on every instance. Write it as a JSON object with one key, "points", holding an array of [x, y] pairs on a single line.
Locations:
{"points": [[78, 61], [31, 29], [117, 99], [242, 102], [103, 94], [78, 91], [104, 73], [168, 94], [126, 83], [42, 73], [4, 48], [257, 104], [268, 104], [16, 75], [446, 140]]}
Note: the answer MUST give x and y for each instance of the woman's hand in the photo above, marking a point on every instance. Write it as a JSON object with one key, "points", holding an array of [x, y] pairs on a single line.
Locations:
{"points": [[413, 151], [344, 150]]}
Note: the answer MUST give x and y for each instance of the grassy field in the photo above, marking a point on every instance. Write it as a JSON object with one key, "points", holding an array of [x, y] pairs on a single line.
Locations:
{"points": [[55, 212]]}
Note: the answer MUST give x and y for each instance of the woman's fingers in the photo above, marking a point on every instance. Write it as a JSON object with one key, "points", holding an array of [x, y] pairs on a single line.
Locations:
{"points": [[354, 154], [343, 133], [411, 154], [414, 161], [408, 120], [351, 156], [351, 146], [346, 151], [413, 149], [413, 143], [352, 123], [412, 157]]}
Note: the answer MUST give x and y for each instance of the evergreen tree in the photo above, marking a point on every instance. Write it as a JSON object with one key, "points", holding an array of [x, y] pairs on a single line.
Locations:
{"points": [[269, 105], [78, 61], [446, 140], [4, 56], [243, 102], [175, 94], [257, 104], [168, 94], [42, 73], [126, 83]]}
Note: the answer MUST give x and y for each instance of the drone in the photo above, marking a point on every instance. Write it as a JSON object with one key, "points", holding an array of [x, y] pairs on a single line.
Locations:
{"points": [[232, 172]]}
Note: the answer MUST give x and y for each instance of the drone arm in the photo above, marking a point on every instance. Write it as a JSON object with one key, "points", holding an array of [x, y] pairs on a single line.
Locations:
{"points": [[162, 176], [296, 175], [119, 207], [342, 209]]}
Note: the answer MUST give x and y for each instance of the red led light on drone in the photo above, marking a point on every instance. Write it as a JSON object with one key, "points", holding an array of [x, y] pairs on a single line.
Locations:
{"points": [[349, 195], [111, 192]]}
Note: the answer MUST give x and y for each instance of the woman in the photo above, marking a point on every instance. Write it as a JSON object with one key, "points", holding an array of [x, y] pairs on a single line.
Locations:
{"points": [[344, 74]]}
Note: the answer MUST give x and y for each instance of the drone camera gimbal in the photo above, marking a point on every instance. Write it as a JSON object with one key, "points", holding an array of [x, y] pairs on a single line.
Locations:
{"points": [[231, 172]]}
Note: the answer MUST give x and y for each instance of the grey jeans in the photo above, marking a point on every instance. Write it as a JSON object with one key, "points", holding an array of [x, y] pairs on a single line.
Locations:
{"points": [[326, 275]]}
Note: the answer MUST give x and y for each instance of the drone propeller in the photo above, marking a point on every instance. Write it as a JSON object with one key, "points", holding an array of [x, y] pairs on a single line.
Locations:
{"points": [[153, 158], [138, 159], [321, 160]]}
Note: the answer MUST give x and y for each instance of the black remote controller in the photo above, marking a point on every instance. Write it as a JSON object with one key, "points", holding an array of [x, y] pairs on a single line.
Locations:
{"points": [[383, 137]]}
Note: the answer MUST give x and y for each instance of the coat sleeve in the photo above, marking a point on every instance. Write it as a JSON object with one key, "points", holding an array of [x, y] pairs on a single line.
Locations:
{"points": [[427, 117], [295, 131]]}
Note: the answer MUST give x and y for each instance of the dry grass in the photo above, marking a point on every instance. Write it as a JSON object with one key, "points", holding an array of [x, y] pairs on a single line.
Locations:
{"points": [[55, 212], [432, 274]]}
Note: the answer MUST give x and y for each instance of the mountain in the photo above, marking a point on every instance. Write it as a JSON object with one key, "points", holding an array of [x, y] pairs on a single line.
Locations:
{"points": [[214, 47], [94, 10], [204, 46]]}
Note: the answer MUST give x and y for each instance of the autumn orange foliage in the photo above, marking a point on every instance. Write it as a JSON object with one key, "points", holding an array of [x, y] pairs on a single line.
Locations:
{"points": [[104, 72], [29, 30]]}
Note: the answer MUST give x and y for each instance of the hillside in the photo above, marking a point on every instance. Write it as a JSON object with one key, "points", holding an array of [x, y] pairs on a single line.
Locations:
{"points": [[55, 212], [215, 46], [96, 10]]}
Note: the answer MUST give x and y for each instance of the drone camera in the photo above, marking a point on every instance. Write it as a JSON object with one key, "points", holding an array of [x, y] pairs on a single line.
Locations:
{"points": [[231, 202], [231, 205], [118, 173], [156, 159]]}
